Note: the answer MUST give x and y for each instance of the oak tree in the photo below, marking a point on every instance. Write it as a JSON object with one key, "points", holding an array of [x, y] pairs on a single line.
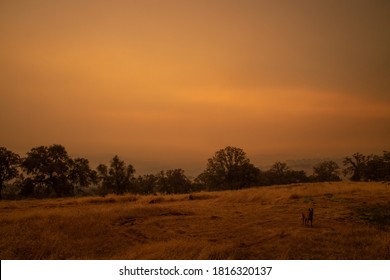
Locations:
{"points": [[9, 163]]}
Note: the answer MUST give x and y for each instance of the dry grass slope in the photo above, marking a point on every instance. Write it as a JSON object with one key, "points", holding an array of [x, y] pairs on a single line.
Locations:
{"points": [[351, 221]]}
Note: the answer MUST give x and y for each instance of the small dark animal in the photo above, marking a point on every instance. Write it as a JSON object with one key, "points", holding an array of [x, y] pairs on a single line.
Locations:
{"points": [[308, 217]]}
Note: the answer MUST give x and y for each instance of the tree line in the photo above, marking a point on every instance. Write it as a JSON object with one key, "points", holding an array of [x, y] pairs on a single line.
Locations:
{"points": [[49, 171]]}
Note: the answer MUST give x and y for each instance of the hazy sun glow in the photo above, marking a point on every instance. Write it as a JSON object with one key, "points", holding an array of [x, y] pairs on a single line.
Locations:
{"points": [[167, 83]]}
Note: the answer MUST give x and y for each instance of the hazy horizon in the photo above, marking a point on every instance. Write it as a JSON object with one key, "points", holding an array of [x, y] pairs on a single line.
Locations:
{"points": [[168, 83]]}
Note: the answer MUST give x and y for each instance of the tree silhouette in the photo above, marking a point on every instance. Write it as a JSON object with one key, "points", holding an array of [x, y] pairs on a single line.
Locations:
{"points": [[48, 171], [102, 176], [118, 178], [49, 167], [378, 167], [173, 181], [279, 173], [230, 168], [9, 163], [355, 166], [326, 171], [80, 174], [280, 169], [147, 184], [386, 166]]}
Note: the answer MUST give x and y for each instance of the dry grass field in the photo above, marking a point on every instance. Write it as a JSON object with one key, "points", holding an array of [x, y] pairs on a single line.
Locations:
{"points": [[351, 221]]}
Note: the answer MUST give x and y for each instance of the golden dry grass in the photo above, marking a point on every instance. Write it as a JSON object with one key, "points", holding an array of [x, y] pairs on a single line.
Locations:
{"points": [[351, 221]]}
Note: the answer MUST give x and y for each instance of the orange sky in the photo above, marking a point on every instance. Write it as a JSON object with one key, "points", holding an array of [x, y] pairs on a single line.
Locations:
{"points": [[168, 83]]}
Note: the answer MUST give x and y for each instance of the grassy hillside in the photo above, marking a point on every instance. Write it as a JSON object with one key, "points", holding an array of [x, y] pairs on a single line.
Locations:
{"points": [[351, 221]]}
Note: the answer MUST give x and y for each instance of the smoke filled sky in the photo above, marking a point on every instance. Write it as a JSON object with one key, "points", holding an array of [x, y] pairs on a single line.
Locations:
{"points": [[168, 83]]}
